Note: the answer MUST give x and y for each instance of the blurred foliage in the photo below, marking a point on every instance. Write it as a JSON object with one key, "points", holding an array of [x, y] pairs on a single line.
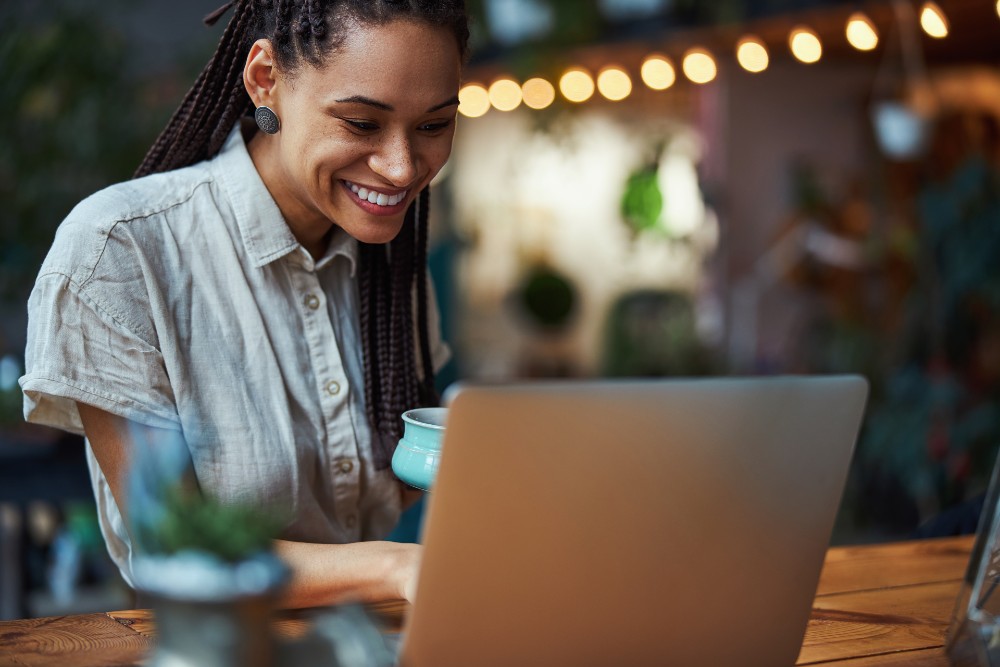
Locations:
{"points": [[191, 521], [937, 423], [653, 333], [642, 201], [547, 298], [82, 111], [77, 122]]}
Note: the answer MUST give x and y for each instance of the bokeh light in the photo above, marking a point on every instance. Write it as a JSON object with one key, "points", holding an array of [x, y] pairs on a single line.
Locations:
{"points": [[861, 32], [752, 54], [933, 20], [473, 100], [577, 85], [658, 72], [614, 83], [805, 45], [538, 93], [505, 94], [699, 66]]}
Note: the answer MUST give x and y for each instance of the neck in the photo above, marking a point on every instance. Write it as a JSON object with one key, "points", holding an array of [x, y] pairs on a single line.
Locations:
{"points": [[310, 229]]}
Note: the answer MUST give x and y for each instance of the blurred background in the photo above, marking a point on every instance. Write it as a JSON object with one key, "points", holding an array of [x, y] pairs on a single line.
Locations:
{"points": [[638, 188]]}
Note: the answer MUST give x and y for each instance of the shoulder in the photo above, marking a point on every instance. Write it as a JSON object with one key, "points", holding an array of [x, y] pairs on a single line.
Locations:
{"points": [[137, 213]]}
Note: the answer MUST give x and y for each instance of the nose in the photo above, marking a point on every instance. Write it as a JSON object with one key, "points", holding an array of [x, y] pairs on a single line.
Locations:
{"points": [[395, 161]]}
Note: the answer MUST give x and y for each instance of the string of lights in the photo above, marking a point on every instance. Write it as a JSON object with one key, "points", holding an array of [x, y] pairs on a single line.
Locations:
{"points": [[658, 71]]}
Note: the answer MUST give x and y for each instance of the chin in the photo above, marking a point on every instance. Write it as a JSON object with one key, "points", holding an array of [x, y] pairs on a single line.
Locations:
{"points": [[380, 232]]}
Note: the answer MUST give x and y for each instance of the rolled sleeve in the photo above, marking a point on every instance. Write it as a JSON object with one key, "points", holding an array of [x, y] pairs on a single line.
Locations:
{"points": [[78, 352]]}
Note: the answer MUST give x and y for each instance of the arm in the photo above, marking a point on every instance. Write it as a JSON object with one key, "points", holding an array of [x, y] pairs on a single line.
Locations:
{"points": [[322, 574]]}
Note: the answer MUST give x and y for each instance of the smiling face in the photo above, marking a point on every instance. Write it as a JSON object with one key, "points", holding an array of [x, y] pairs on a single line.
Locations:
{"points": [[360, 135]]}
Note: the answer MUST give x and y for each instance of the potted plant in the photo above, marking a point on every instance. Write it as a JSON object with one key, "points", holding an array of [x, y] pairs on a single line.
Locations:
{"points": [[207, 567]]}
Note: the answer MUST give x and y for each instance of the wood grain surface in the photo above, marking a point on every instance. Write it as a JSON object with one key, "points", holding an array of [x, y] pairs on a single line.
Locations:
{"points": [[87, 640], [886, 605]]}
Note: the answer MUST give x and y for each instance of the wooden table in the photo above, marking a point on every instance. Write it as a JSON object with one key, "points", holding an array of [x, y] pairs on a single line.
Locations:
{"points": [[882, 605]]}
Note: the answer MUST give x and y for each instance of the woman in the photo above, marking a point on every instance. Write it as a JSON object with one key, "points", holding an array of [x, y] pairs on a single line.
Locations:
{"points": [[260, 288]]}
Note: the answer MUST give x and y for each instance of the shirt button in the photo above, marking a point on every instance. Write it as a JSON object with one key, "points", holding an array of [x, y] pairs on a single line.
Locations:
{"points": [[345, 466], [311, 301], [333, 387], [352, 521]]}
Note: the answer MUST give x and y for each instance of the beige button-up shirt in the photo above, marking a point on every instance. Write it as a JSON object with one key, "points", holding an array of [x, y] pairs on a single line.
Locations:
{"points": [[182, 301]]}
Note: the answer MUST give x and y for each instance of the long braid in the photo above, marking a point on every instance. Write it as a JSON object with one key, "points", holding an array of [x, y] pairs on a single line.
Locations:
{"points": [[392, 278], [428, 394]]}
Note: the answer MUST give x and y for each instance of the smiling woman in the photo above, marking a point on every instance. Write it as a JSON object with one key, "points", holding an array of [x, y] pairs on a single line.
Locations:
{"points": [[381, 120], [261, 289]]}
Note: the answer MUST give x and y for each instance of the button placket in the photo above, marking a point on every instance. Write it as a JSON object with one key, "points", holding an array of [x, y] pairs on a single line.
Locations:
{"points": [[332, 383]]}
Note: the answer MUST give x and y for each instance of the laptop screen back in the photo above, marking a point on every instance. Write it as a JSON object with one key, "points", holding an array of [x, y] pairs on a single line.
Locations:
{"points": [[637, 522]]}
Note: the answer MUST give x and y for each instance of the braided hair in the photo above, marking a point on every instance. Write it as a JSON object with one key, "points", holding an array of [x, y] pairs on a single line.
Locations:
{"points": [[392, 278]]}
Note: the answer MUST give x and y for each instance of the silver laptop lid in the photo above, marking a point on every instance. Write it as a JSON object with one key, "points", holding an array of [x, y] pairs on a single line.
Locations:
{"points": [[679, 522]]}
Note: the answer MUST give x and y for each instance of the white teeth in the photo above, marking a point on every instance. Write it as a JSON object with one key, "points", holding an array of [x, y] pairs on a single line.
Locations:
{"points": [[377, 198]]}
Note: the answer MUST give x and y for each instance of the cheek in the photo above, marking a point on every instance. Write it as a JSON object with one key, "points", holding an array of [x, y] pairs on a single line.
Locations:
{"points": [[439, 152]]}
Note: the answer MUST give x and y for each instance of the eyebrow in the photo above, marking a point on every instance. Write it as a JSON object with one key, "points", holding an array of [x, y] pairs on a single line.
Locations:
{"points": [[361, 99]]}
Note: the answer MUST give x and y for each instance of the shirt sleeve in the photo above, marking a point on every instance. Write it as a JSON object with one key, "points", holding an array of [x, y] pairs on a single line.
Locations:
{"points": [[78, 351]]}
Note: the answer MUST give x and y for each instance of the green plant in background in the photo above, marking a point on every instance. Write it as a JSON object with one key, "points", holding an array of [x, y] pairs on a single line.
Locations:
{"points": [[547, 297], [651, 333], [79, 116], [642, 202], [75, 123]]}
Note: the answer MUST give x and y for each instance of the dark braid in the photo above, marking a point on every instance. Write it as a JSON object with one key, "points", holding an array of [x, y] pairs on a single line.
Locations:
{"points": [[392, 278], [428, 394]]}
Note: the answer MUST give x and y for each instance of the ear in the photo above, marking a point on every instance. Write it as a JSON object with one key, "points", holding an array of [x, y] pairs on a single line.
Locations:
{"points": [[260, 74]]}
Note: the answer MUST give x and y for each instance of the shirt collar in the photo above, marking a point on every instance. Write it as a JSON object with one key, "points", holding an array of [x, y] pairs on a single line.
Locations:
{"points": [[341, 244], [265, 233]]}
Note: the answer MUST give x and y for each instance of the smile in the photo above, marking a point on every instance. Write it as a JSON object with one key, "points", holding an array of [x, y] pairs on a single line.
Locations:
{"points": [[375, 197]]}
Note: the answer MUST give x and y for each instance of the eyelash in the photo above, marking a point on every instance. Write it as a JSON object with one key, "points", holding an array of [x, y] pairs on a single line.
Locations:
{"points": [[361, 125], [365, 126]]}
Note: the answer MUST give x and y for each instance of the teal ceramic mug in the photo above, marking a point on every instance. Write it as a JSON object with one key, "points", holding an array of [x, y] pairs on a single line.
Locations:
{"points": [[419, 450]]}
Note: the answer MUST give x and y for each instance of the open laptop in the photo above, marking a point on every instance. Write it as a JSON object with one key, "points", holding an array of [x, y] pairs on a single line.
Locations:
{"points": [[661, 522]]}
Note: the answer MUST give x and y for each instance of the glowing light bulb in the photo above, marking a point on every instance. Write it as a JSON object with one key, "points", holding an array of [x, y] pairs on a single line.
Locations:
{"points": [[538, 93], [473, 100], [505, 95], [933, 21], [752, 54], [699, 66], [861, 32], [614, 83], [577, 85], [805, 45], [658, 72]]}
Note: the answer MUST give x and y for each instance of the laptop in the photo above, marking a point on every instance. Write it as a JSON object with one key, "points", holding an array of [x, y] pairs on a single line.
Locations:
{"points": [[644, 522]]}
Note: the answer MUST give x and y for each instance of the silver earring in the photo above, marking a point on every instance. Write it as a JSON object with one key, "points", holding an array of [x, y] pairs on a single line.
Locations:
{"points": [[267, 120]]}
